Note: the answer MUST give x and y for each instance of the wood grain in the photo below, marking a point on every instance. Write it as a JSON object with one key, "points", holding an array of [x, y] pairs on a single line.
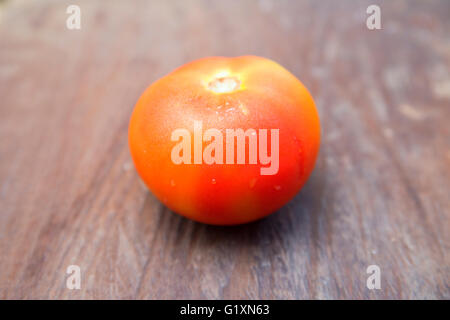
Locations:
{"points": [[379, 194]]}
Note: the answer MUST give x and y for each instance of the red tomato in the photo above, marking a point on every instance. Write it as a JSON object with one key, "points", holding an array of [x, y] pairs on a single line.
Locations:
{"points": [[225, 140]]}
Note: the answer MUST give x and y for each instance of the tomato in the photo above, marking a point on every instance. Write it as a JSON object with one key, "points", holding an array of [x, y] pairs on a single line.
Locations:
{"points": [[225, 141]]}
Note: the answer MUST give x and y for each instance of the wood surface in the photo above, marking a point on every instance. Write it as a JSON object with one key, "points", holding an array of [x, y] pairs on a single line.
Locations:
{"points": [[69, 193]]}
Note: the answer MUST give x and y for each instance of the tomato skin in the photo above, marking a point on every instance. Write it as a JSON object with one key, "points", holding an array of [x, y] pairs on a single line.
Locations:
{"points": [[268, 97]]}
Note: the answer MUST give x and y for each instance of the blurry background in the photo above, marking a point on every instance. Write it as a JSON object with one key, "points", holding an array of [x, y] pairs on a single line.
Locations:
{"points": [[69, 194]]}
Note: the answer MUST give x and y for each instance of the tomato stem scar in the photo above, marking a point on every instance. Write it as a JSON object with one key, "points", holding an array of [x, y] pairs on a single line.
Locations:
{"points": [[224, 84]]}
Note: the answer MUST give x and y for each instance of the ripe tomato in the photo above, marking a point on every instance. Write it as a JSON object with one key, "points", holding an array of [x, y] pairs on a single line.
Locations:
{"points": [[211, 101]]}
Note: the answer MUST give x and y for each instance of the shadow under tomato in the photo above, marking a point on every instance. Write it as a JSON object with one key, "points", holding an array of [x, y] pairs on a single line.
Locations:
{"points": [[285, 227]]}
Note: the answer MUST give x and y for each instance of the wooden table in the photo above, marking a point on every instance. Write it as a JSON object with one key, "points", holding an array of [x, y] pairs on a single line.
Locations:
{"points": [[379, 195]]}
